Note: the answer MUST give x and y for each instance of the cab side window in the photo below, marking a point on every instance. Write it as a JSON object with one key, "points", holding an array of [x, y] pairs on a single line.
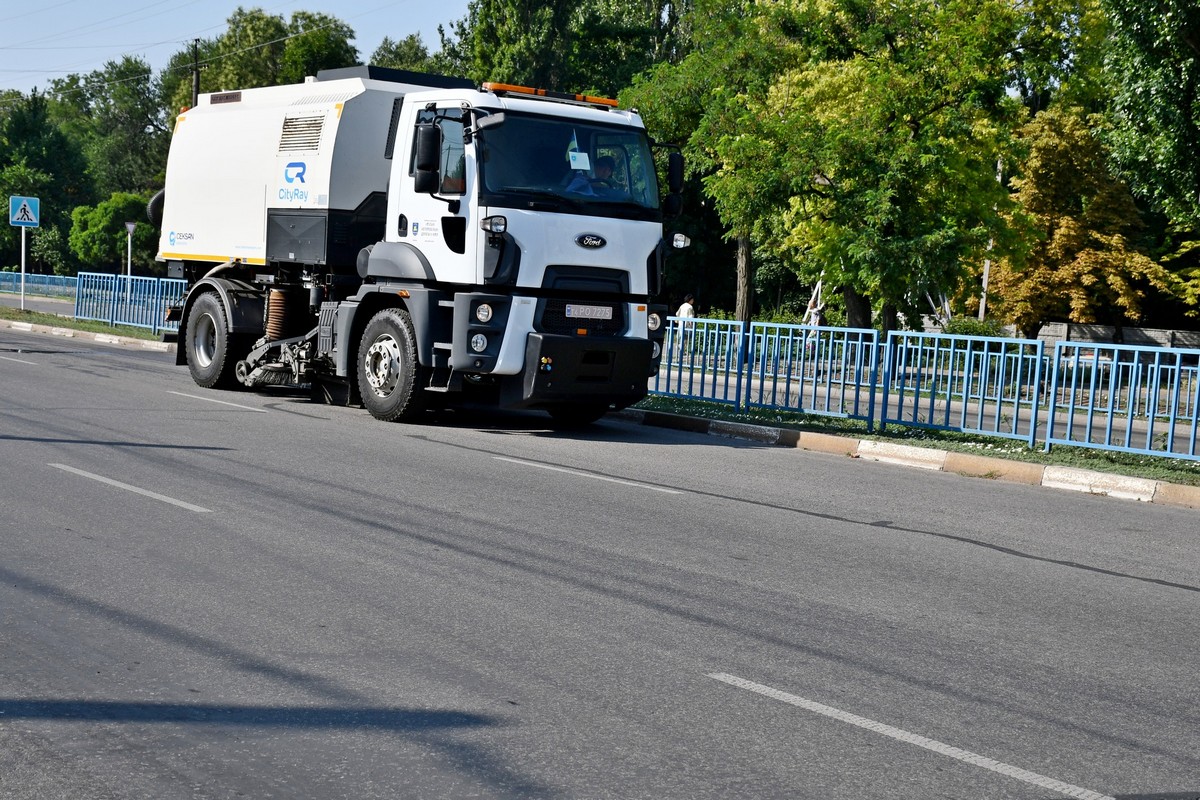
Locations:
{"points": [[453, 157]]}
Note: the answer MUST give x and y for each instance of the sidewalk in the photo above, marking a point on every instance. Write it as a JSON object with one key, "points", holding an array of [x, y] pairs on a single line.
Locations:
{"points": [[1052, 477]]}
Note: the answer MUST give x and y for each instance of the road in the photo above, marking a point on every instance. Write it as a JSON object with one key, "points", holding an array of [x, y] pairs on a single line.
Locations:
{"points": [[227, 594]]}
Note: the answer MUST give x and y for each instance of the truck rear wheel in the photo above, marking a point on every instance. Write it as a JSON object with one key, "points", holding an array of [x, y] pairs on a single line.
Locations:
{"points": [[388, 367], [209, 344]]}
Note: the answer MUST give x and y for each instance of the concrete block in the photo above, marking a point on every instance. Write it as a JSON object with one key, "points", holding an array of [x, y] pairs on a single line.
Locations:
{"points": [[828, 443], [1176, 494], [1082, 480], [902, 454]]}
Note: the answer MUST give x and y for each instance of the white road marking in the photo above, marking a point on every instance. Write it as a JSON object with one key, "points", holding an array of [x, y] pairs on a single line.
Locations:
{"points": [[19, 361], [222, 402], [128, 488], [912, 738], [587, 475]]}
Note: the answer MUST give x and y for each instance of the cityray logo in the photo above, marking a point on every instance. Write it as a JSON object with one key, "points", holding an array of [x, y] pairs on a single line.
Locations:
{"points": [[294, 172]]}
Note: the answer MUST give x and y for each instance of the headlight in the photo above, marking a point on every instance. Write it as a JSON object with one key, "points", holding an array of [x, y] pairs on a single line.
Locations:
{"points": [[654, 321], [483, 312], [479, 343]]}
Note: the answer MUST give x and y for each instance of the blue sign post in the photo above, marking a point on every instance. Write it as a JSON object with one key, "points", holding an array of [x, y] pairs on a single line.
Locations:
{"points": [[24, 212]]}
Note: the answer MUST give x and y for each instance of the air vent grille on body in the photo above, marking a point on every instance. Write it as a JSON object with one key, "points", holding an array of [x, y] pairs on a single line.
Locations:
{"points": [[301, 134]]}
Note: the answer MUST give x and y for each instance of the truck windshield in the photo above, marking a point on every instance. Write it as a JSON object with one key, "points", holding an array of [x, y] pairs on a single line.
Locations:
{"points": [[574, 167]]}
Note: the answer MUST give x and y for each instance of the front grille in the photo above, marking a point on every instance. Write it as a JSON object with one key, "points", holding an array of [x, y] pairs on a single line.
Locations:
{"points": [[553, 319]]}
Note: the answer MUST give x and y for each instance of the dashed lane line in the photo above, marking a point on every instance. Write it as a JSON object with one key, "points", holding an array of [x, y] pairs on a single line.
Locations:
{"points": [[135, 489], [913, 738]]}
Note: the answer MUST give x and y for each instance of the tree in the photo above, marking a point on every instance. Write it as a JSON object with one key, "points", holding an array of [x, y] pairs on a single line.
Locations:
{"points": [[520, 41], [1154, 63], [701, 100], [38, 160], [98, 235], [871, 155], [407, 53], [116, 115], [316, 42], [1082, 265], [1058, 53]]}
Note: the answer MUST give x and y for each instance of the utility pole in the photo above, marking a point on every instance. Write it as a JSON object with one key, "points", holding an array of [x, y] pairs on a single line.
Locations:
{"points": [[195, 72]]}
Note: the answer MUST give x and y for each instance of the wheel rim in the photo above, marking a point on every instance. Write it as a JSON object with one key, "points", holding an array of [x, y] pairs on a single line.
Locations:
{"points": [[204, 340], [382, 365]]}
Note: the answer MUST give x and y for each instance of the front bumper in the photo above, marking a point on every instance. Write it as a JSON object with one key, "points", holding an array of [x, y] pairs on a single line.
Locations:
{"points": [[563, 369]]}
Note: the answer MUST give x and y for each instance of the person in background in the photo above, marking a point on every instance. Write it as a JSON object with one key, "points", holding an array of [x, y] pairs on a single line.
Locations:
{"points": [[686, 311]]}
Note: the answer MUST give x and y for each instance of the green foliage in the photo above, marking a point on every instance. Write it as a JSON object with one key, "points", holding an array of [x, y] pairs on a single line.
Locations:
{"points": [[98, 235], [1082, 265], [1154, 63], [317, 42], [49, 249], [408, 53], [871, 156], [37, 159], [116, 113], [1058, 53], [973, 326]]}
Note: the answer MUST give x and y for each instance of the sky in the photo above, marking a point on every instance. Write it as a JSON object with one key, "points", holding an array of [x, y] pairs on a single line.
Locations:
{"points": [[45, 39]]}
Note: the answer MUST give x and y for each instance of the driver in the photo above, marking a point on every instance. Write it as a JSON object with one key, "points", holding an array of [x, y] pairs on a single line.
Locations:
{"points": [[602, 184]]}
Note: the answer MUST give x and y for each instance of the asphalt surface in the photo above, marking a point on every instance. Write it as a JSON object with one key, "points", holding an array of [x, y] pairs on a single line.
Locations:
{"points": [[223, 594]]}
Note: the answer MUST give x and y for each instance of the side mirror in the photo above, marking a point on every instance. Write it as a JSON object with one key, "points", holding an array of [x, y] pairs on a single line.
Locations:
{"points": [[428, 159], [675, 172]]}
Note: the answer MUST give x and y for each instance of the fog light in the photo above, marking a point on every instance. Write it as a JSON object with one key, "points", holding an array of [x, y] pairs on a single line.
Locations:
{"points": [[680, 241], [494, 224], [483, 312], [655, 349], [479, 343], [654, 321]]}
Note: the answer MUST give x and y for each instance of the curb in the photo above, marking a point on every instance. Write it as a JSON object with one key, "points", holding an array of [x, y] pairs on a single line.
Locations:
{"points": [[103, 338], [971, 466]]}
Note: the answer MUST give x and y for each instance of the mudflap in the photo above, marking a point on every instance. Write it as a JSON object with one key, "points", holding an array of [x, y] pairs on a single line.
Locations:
{"points": [[334, 392], [570, 369]]}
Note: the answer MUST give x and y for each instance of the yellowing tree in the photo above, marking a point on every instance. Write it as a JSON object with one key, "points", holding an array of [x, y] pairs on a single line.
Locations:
{"points": [[1081, 264]]}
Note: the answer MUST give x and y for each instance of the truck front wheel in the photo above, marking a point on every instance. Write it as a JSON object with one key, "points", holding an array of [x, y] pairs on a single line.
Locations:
{"points": [[388, 367], [209, 344]]}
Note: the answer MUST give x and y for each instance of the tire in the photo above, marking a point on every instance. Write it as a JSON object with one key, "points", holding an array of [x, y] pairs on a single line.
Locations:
{"points": [[212, 352], [577, 415], [388, 369]]}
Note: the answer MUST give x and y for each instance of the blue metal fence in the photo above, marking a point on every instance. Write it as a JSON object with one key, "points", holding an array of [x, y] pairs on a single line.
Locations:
{"points": [[971, 384], [702, 358], [813, 370], [46, 285], [119, 300], [1124, 398], [1113, 397]]}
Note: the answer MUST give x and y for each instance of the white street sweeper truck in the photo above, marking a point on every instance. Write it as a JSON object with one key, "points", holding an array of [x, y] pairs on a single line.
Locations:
{"points": [[407, 241]]}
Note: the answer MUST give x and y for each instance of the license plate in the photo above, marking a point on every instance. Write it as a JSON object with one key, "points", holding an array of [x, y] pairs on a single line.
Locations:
{"points": [[589, 312]]}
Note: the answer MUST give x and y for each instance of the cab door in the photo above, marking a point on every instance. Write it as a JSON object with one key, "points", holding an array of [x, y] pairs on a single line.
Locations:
{"points": [[440, 225]]}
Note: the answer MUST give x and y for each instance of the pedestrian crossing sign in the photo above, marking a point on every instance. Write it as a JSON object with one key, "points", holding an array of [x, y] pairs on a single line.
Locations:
{"points": [[23, 211]]}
